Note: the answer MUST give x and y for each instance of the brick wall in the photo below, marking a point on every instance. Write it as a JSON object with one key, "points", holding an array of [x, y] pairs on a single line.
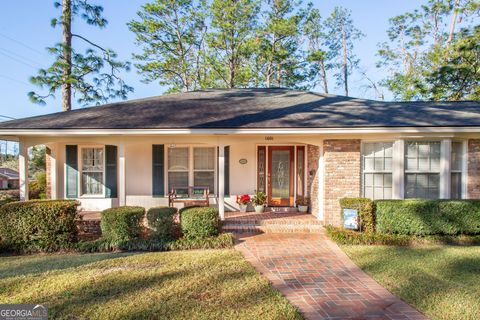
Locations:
{"points": [[313, 153], [48, 168], [342, 176], [473, 181]]}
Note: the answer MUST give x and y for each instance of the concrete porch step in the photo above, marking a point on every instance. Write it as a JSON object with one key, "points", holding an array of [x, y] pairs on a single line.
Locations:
{"points": [[272, 228]]}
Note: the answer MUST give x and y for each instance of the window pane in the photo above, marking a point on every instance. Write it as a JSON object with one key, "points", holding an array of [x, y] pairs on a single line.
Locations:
{"points": [[204, 179], [378, 164], [92, 159], [457, 149], [92, 183], [177, 180], [204, 158], [369, 164], [377, 158], [422, 185], [368, 150], [411, 164], [456, 192], [387, 180], [388, 164], [368, 180], [178, 159]]}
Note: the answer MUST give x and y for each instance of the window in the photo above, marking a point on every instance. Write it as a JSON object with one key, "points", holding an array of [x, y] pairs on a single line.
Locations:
{"points": [[204, 168], [456, 170], [377, 170], [300, 171], [178, 161], [422, 169], [92, 171]]}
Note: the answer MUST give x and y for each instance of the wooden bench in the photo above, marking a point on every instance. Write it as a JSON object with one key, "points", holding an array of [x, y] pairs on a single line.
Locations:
{"points": [[189, 196]]}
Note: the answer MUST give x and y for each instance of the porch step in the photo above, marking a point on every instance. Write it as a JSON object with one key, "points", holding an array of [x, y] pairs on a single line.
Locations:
{"points": [[272, 222]]}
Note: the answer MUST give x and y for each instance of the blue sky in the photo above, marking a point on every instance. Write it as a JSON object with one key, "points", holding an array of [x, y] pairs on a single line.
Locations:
{"points": [[25, 32]]}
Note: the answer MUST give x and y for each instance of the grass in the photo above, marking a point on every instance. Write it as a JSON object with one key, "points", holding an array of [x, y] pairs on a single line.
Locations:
{"points": [[443, 282], [199, 284]]}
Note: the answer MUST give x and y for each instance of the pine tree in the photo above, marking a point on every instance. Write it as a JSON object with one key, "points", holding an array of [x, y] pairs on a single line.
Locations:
{"points": [[93, 75]]}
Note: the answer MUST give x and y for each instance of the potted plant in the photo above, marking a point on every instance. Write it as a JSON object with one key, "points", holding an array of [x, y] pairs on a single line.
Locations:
{"points": [[243, 202], [259, 201], [302, 204]]}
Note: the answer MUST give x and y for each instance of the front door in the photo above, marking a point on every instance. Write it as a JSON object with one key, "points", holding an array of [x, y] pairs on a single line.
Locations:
{"points": [[280, 176]]}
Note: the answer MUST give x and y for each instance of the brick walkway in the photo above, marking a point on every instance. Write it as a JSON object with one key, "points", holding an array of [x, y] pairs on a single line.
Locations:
{"points": [[317, 277]]}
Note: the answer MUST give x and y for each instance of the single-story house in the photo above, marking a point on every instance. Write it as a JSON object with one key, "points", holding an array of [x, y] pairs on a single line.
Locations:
{"points": [[9, 178], [287, 143]]}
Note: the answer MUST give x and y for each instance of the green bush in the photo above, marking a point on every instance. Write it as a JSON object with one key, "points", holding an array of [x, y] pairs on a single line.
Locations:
{"points": [[199, 222], [366, 211], [122, 223], [33, 226], [428, 217], [161, 221], [350, 237]]}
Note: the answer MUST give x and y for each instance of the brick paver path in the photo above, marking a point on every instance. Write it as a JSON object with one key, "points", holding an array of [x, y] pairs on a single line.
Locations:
{"points": [[319, 279]]}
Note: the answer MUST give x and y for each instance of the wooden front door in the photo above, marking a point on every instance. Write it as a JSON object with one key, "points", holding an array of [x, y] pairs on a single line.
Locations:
{"points": [[280, 176]]}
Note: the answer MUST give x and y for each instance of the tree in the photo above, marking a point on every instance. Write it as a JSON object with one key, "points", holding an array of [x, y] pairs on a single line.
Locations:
{"points": [[420, 44], [280, 43], [317, 56], [231, 41], [171, 34], [93, 75], [459, 76], [340, 37]]}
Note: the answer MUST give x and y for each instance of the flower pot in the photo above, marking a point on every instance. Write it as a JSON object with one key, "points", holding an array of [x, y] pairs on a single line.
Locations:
{"points": [[243, 207], [259, 208], [302, 209]]}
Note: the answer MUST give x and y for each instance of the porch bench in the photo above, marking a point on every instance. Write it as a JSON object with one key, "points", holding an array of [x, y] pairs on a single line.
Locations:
{"points": [[189, 196]]}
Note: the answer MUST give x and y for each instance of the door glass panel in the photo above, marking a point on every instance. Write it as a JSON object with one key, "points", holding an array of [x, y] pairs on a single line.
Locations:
{"points": [[261, 169], [280, 173]]}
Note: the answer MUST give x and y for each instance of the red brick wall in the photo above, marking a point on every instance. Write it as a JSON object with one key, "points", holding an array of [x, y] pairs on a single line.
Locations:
{"points": [[48, 169], [342, 176], [473, 181], [313, 153]]}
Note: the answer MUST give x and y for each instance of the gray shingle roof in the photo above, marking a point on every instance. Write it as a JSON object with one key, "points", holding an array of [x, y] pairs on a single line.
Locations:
{"points": [[256, 108]]}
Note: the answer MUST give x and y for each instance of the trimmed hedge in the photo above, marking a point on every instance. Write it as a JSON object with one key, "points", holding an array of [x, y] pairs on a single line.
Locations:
{"points": [[122, 223], [366, 211], [199, 222], [351, 237], [428, 217], [38, 225], [161, 221]]}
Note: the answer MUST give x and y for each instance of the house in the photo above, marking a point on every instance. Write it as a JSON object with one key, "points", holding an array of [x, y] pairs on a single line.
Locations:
{"points": [[9, 179], [287, 143]]}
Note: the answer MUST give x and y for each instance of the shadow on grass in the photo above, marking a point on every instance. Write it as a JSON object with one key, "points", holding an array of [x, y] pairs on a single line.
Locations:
{"points": [[11, 266]]}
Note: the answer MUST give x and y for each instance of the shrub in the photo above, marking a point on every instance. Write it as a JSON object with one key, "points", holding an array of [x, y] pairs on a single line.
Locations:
{"points": [[161, 221], [33, 226], [428, 217], [122, 223], [199, 222], [224, 240], [366, 211], [350, 237]]}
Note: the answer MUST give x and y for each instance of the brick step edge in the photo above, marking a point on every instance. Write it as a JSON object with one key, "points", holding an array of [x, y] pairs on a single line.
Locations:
{"points": [[316, 223], [273, 229]]}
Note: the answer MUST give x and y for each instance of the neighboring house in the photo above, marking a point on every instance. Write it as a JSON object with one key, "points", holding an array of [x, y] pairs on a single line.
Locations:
{"points": [[287, 143], [9, 179]]}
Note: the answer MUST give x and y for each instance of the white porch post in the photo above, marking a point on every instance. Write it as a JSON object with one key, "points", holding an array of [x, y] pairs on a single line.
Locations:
{"points": [[53, 171], [221, 181], [121, 175], [23, 170], [398, 185], [321, 183]]}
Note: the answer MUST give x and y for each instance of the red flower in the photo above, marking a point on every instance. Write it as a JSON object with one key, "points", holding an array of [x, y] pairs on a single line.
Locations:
{"points": [[243, 199]]}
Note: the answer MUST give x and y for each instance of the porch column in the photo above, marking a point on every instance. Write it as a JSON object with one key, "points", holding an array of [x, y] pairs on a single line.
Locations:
{"points": [[221, 181], [445, 168], [23, 170], [51, 154], [321, 182], [121, 175]]}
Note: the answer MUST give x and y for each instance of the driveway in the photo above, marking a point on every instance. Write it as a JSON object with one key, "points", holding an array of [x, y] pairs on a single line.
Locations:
{"points": [[319, 279]]}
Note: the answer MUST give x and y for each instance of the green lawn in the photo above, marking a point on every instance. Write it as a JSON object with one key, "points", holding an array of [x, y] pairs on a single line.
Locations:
{"points": [[199, 284], [443, 282]]}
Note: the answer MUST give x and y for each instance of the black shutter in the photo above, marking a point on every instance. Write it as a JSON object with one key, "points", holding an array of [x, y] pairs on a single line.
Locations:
{"points": [[110, 171], [227, 171], [158, 172], [71, 161]]}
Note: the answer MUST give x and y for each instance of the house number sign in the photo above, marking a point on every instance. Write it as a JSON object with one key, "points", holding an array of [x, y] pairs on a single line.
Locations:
{"points": [[243, 161]]}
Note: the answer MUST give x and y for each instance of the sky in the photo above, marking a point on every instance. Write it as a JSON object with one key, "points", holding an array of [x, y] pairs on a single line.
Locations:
{"points": [[25, 32]]}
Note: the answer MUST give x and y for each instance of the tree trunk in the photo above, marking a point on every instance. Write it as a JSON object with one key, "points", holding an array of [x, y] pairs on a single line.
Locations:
{"points": [[67, 54], [324, 76], [345, 67], [452, 23]]}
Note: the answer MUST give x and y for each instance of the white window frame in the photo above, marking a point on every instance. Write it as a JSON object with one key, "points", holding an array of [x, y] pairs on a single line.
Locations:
{"points": [[463, 170], [190, 170], [362, 163], [80, 171], [398, 165]]}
